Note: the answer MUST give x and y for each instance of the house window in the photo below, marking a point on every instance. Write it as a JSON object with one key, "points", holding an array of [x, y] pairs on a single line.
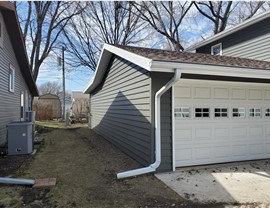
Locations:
{"points": [[221, 112], [182, 112], [202, 113], [255, 112], [238, 112], [11, 78], [216, 49], [22, 106], [267, 112]]}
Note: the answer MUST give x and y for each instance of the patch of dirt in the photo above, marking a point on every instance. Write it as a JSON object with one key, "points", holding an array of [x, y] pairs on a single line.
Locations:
{"points": [[9, 165], [85, 166]]}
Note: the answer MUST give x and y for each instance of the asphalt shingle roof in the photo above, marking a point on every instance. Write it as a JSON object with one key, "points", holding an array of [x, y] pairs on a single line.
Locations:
{"points": [[196, 58]]}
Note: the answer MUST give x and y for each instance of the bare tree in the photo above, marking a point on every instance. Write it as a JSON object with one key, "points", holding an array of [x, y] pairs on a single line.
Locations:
{"points": [[218, 12], [222, 13], [166, 18], [102, 22], [50, 87], [42, 26], [245, 10]]}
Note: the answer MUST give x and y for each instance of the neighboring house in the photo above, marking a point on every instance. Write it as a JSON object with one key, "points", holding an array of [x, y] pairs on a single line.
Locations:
{"points": [[47, 107], [80, 105], [172, 109], [17, 87], [249, 39]]}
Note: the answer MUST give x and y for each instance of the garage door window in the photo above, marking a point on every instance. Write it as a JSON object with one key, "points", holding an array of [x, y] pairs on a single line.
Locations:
{"points": [[202, 113], [255, 112], [221, 113], [182, 112], [238, 112], [267, 112]]}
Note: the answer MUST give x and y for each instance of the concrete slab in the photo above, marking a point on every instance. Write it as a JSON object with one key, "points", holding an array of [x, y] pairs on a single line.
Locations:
{"points": [[229, 183]]}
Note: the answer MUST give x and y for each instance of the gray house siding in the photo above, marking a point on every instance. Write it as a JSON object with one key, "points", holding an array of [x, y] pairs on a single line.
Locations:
{"points": [[10, 101], [120, 109], [251, 42], [159, 80]]}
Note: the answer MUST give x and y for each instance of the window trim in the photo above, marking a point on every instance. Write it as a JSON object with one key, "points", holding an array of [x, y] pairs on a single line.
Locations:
{"points": [[239, 117], [254, 112], [180, 112], [11, 88], [265, 112], [209, 113], [217, 45], [221, 117]]}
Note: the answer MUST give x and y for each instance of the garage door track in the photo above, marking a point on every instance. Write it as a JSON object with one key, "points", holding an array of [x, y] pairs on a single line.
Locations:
{"points": [[241, 183]]}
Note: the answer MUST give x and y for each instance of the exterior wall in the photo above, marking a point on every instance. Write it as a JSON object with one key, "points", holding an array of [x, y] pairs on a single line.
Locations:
{"points": [[10, 101], [159, 80], [251, 42], [120, 109]]}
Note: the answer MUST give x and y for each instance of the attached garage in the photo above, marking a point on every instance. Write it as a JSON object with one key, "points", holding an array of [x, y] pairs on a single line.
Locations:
{"points": [[217, 121], [168, 109]]}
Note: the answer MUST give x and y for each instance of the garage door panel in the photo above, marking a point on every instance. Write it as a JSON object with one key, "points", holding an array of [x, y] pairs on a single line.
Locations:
{"points": [[255, 94], [201, 141], [184, 134], [239, 150], [202, 133], [239, 132], [183, 92], [239, 94], [221, 93], [267, 94], [202, 152], [221, 133], [202, 92], [256, 131], [223, 151]]}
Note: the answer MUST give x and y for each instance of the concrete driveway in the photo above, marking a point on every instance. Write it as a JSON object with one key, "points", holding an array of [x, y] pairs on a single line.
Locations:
{"points": [[246, 182]]}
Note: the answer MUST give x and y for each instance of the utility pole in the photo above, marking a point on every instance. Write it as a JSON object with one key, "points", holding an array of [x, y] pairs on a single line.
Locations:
{"points": [[64, 88]]}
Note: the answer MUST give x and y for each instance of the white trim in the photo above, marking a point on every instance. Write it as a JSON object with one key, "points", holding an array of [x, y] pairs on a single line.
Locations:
{"points": [[216, 45], [104, 60], [234, 29], [169, 66], [11, 88], [173, 131], [205, 69]]}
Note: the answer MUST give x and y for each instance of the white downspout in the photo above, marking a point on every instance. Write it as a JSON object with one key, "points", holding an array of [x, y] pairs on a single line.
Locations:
{"points": [[155, 165]]}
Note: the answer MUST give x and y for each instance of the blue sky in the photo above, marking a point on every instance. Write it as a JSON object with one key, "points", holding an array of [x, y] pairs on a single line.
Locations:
{"points": [[76, 78]]}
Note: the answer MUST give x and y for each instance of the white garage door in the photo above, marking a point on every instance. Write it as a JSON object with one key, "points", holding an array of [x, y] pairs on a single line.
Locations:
{"points": [[221, 122]]}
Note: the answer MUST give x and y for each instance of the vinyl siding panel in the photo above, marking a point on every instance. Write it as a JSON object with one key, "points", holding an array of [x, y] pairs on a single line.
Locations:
{"points": [[10, 101], [120, 109], [159, 80], [251, 42]]}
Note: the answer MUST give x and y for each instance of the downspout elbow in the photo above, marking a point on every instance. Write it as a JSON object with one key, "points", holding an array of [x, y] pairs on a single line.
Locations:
{"points": [[156, 164]]}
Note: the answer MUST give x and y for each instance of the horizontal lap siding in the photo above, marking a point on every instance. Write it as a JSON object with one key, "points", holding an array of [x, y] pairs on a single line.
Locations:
{"points": [[120, 109], [10, 102], [159, 80], [251, 42]]}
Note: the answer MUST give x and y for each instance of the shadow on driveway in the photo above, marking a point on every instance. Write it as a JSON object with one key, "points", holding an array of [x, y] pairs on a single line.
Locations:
{"points": [[237, 183]]}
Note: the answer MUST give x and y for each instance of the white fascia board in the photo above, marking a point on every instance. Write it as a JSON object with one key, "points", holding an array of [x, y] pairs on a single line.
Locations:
{"points": [[234, 29], [103, 62], [106, 53], [129, 56], [204, 69]]}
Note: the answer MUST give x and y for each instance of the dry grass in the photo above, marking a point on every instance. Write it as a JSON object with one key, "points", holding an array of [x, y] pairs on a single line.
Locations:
{"points": [[85, 166]]}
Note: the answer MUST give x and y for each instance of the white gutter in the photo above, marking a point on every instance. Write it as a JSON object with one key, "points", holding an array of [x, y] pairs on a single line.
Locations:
{"points": [[155, 165]]}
